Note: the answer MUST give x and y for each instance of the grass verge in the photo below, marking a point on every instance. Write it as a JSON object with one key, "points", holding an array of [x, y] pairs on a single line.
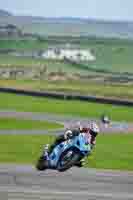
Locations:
{"points": [[24, 124], [111, 152], [75, 87], [65, 107]]}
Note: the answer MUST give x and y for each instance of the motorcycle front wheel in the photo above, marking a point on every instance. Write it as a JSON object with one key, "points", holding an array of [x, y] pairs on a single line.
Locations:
{"points": [[41, 164]]}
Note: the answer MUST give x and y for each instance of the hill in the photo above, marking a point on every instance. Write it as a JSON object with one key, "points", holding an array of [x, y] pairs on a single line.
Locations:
{"points": [[68, 26], [4, 13]]}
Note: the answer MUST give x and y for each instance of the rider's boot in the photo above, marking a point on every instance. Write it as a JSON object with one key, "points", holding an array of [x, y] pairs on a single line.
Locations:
{"points": [[45, 152], [42, 163]]}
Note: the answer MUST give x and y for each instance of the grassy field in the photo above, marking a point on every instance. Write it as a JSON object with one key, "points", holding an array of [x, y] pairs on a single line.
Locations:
{"points": [[24, 124], [75, 86], [21, 148], [23, 44], [111, 152], [64, 107], [51, 65], [112, 55]]}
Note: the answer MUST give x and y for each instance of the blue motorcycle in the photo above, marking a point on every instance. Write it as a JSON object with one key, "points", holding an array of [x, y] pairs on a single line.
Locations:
{"points": [[66, 154]]}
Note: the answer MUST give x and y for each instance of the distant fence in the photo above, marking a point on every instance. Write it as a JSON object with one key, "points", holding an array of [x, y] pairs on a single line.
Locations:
{"points": [[66, 96]]}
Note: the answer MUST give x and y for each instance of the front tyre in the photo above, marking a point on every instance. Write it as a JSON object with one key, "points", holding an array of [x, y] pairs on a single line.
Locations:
{"points": [[41, 164], [68, 159]]}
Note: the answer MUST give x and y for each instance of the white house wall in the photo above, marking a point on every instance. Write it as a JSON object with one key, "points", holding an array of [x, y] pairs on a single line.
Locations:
{"points": [[84, 55]]}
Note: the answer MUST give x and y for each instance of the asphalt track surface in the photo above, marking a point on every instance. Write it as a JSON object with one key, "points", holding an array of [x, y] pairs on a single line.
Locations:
{"points": [[67, 121], [26, 183]]}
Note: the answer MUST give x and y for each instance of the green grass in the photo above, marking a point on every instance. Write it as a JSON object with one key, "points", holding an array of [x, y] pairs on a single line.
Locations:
{"points": [[113, 55], [23, 44], [21, 148], [28, 62], [80, 87], [24, 124], [111, 152], [14, 61], [64, 107]]}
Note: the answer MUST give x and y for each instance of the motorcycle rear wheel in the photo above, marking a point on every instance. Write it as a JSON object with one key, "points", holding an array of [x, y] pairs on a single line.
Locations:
{"points": [[64, 164]]}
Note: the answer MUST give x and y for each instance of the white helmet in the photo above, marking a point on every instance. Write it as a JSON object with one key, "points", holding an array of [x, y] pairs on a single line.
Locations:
{"points": [[68, 134], [94, 129]]}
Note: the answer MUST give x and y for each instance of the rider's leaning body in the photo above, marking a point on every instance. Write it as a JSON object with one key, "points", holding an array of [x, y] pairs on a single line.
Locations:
{"points": [[91, 132]]}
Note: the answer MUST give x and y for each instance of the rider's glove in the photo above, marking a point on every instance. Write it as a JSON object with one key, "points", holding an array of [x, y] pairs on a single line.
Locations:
{"points": [[68, 134]]}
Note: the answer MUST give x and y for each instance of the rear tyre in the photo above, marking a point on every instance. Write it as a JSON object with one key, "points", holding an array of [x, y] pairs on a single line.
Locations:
{"points": [[68, 159]]}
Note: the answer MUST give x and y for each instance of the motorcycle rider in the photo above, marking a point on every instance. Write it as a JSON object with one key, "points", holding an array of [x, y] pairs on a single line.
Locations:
{"points": [[91, 132]]}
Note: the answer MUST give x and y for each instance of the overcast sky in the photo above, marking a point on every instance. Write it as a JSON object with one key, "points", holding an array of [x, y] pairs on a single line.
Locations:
{"points": [[101, 9]]}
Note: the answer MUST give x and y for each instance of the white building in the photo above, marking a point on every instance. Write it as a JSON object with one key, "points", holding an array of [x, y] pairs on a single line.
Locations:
{"points": [[72, 54]]}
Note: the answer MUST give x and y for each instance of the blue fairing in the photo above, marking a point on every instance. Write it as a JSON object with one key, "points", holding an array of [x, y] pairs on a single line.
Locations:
{"points": [[79, 142]]}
